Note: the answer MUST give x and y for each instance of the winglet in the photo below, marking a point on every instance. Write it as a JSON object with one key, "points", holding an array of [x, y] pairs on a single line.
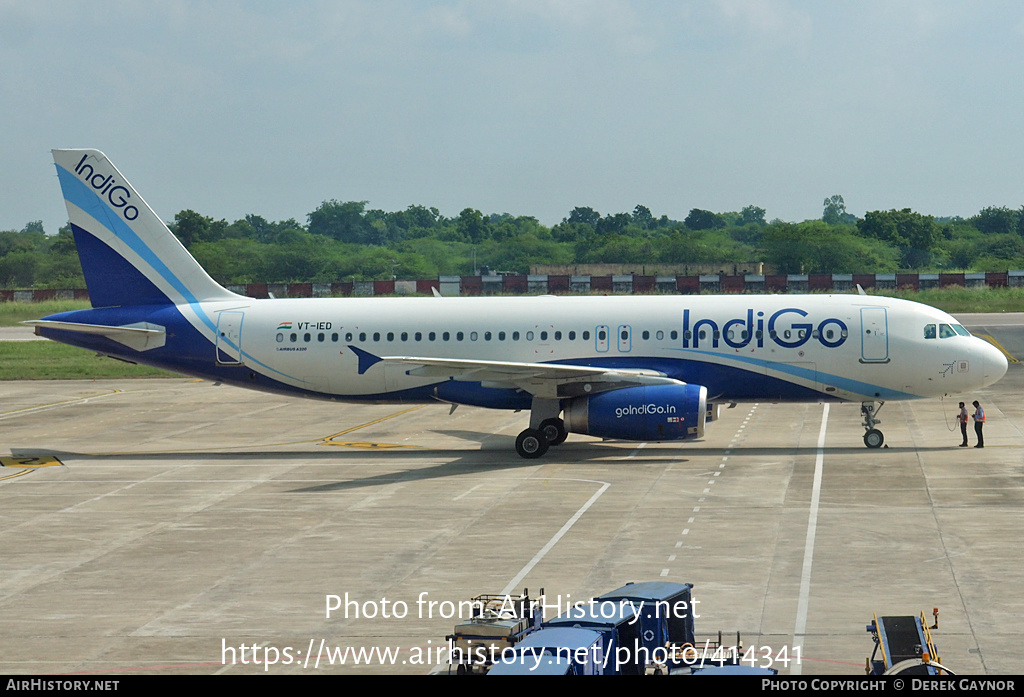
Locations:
{"points": [[366, 359]]}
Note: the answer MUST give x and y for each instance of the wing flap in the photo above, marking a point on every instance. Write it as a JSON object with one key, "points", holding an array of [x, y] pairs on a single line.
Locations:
{"points": [[546, 380]]}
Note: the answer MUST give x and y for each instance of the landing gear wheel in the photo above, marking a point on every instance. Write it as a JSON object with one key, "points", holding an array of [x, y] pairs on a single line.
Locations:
{"points": [[554, 431], [531, 443], [874, 438]]}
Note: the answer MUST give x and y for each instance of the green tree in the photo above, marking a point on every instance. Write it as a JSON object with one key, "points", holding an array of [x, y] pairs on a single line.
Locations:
{"points": [[912, 233], [835, 209], [642, 218], [472, 225], [343, 221], [583, 215], [614, 224], [190, 227], [994, 221], [752, 215], [699, 219], [814, 246]]}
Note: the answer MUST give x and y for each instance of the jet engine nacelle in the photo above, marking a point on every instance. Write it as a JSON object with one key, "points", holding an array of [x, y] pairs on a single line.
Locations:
{"points": [[656, 412]]}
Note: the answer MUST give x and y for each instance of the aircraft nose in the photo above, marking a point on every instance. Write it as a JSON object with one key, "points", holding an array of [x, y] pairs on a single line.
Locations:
{"points": [[993, 362]]}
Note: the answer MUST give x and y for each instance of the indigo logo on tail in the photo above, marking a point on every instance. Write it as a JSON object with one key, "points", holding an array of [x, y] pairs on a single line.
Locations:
{"points": [[116, 194]]}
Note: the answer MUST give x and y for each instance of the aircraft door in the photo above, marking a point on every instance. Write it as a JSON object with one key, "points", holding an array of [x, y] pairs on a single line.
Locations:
{"points": [[874, 335], [601, 338], [229, 337], [625, 338]]}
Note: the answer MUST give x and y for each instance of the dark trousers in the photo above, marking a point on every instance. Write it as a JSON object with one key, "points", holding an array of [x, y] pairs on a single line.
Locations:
{"points": [[963, 431], [977, 430]]}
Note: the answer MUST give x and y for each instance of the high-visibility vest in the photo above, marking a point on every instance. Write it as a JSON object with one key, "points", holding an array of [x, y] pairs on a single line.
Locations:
{"points": [[979, 415]]}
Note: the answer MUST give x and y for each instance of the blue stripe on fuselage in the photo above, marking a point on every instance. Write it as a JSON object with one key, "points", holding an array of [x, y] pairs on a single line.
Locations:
{"points": [[847, 384]]}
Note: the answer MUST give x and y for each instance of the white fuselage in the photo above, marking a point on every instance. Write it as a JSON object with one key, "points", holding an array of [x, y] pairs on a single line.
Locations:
{"points": [[846, 347]]}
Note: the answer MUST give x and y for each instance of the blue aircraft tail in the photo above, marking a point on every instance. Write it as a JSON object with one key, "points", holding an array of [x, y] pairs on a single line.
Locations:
{"points": [[128, 255]]}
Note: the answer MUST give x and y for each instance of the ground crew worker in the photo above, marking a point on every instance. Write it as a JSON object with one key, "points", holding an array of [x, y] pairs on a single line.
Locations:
{"points": [[962, 418], [979, 422]]}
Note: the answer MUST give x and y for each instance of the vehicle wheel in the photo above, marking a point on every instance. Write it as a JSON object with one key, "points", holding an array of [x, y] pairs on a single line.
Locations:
{"points": [[874, 438], [554, 431], [531, 443]]}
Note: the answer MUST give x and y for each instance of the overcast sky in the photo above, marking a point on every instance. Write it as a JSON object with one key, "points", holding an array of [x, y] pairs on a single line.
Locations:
{"points": [[530, 107]]}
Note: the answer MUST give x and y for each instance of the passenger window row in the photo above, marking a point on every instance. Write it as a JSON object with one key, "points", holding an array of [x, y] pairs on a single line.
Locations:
{"points": [[543, 335]]}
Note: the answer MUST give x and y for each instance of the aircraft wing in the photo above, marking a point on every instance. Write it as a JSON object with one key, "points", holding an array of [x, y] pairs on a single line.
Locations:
{"points": [[545, 380]]}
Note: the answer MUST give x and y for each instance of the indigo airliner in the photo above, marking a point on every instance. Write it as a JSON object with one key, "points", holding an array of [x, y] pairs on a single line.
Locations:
{"points": [[635, 368]]}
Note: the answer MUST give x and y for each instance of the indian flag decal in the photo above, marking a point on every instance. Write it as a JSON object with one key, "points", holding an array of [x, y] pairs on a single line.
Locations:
{"points": [[284, 325]]}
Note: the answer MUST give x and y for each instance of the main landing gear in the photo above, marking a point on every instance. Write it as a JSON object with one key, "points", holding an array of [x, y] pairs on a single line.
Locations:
{"points": [[873, 438], [546, 429]]}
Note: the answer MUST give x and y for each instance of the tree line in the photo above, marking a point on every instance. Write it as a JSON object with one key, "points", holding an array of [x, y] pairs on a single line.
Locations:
{"points": [[346, 240]]}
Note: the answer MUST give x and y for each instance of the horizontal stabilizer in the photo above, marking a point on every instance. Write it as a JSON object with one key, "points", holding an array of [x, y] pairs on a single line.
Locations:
{"points": [[141, 336]]}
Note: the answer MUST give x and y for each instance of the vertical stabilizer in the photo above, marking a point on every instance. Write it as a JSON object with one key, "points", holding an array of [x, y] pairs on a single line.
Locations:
{"points": [[128, 255]]}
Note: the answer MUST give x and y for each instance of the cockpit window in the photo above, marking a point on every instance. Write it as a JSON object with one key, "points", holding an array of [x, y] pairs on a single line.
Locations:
{"points": [[929, 331], [960, 330], [946, 331]]}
